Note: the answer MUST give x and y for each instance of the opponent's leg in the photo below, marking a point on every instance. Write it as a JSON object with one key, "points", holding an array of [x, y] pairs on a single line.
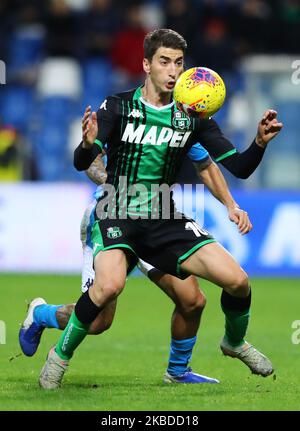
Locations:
{"points": [[63, 314], [110, 276], [189, 303], [215, 264], [41, 315]]}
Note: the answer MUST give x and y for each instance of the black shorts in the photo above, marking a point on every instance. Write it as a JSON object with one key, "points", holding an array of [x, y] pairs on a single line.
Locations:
{"points": [[165, 244]]}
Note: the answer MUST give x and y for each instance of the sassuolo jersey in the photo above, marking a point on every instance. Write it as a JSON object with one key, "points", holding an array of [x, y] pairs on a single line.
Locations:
{"points": [[145, 146]]}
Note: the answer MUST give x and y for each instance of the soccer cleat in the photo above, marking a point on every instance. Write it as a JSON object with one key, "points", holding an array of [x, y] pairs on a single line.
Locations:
{"points": [[30, 333], [188, 377], [53, 371], [255, 360]]}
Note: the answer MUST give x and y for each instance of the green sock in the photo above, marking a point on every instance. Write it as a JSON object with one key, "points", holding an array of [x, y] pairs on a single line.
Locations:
{"points": [[236, 324], [71, 337]]}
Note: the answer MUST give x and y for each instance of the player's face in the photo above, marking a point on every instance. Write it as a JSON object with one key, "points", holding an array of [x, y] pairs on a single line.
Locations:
{"points": [[165, 68]]}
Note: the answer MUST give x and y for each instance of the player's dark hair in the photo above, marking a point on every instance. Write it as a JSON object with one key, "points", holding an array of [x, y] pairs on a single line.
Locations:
{"points": [[162, 37]]}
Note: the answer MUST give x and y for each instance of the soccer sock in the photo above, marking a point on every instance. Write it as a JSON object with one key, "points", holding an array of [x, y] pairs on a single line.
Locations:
{"points": [[45, 315], [180, 355], [77, 328], [237, 315]]}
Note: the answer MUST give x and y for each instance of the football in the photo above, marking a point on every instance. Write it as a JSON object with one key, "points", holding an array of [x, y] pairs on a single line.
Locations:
{"points": [[199, 92]]}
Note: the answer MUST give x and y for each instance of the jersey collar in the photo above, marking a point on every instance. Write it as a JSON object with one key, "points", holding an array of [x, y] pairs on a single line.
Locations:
{"points": [[139, 95]]}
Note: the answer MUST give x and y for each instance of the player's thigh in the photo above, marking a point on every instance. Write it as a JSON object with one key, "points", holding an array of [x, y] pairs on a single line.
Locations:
{"points": [[217, 265], [110, 270], [110, 276]]}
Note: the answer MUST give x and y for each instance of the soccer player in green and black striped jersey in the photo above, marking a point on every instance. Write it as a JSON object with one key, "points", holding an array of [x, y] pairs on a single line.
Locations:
{"points": [[146, 139]]}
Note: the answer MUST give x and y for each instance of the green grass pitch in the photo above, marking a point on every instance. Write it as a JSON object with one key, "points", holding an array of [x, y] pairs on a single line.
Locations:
{"points": [[123, 368]]}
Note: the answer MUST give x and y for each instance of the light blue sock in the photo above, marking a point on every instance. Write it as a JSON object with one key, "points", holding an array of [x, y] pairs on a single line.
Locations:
{"points": [[45, 315], [180, 355]]}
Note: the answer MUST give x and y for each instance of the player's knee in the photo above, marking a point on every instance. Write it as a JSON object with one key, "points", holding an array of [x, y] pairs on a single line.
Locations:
{"points": [[108, 291], [201, 302], [240, 285], [194, 305]]}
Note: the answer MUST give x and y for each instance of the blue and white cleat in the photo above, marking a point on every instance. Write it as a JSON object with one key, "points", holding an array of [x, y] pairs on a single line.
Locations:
{"points": [[188, 377], [30, 332]]}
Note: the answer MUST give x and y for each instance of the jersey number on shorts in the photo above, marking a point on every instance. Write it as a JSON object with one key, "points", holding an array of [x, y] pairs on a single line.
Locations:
{"points": [[192, 225]]}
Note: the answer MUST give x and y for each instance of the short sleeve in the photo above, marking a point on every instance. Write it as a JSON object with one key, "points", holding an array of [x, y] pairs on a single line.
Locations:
{"points": [[197, 153]]}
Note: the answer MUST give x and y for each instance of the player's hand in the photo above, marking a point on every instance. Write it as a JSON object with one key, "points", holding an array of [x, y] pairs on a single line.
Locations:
{"points": [[241, 219], [268, 128], [89, 127]]}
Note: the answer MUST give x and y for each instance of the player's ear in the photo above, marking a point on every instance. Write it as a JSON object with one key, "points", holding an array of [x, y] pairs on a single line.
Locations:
{"points": [[146, 66]]}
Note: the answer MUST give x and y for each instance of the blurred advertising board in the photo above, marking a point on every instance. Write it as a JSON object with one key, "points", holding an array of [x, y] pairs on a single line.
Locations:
{"points": [[39, 227]]}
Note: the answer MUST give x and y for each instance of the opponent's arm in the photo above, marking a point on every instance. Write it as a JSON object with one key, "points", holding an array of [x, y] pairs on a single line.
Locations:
{"points": [[96, 172], [213, 178]]}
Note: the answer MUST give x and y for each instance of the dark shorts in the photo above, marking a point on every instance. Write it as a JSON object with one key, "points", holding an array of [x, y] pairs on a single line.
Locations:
{"points": [[165, 244]]}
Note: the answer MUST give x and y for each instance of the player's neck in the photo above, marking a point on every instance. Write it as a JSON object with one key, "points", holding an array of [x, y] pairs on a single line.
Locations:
{"points": [[151, 95]]}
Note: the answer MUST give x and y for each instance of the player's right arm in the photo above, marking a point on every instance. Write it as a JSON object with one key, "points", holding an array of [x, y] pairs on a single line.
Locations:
{"points": [[96, 130], [87, 150]]}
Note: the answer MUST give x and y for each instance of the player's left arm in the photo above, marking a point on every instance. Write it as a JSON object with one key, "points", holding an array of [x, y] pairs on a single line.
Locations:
{"points": [[214, 180], [243, 164], [268, 128]]}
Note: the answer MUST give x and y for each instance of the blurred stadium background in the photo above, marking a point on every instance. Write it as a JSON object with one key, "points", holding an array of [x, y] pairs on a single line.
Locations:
{"points": [[57, 56]]}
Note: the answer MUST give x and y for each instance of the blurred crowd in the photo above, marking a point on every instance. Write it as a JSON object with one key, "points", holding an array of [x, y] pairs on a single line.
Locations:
{"points": [[219, 34], [218, 31]]}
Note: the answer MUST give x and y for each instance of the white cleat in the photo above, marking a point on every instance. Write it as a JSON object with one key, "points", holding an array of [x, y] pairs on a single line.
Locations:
{"points": [[29, 317], [53, 371], [255, 360]]}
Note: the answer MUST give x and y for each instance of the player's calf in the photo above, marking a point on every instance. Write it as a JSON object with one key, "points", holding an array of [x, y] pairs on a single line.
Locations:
{"points": [[63, 314], [104, 320]]}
